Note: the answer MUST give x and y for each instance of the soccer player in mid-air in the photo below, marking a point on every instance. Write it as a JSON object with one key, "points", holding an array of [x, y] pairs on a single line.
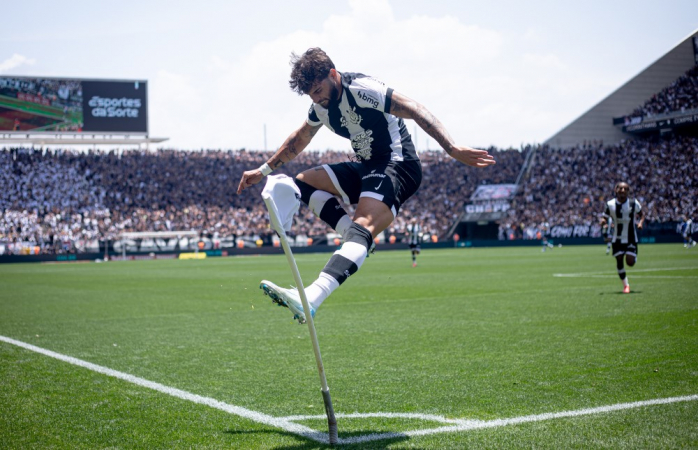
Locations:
{"points": [[414, 236], [626, 215], [686, 231], [387, 171]]}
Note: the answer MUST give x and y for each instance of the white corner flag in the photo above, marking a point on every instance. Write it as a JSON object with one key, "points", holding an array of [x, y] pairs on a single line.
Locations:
{"points": [[282, 197], [285, 200]]}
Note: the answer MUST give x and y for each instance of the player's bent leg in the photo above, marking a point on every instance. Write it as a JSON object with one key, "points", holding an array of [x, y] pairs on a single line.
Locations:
{"points": [[621, 273], [631, 254], [325, 206], [372, 217], [318, 178], [621, 267], [344, 263]]}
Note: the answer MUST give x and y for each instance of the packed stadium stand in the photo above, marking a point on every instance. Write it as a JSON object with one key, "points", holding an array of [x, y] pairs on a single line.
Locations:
{"points": [[569, 186], [679, 96], [57, 198]]}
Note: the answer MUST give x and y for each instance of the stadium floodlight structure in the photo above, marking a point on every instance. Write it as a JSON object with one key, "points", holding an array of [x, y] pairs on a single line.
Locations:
{"points": [[278, 227]]}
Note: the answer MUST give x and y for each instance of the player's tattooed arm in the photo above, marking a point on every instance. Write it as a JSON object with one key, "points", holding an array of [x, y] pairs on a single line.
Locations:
{"points": [[405, 107], [294, 145]]}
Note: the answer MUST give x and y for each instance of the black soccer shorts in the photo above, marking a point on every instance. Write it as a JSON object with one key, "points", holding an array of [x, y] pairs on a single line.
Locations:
{"points": [[391, 182], [624, 249]]}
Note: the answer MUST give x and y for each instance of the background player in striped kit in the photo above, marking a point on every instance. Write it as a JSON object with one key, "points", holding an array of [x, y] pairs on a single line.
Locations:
{"points": [[414, 238], [626, 215], [686, 228], [388, 171]]}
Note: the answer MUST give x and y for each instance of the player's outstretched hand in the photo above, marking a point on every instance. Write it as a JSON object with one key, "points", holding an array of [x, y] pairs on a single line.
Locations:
{"points": [[249, 178], [472, 157]]}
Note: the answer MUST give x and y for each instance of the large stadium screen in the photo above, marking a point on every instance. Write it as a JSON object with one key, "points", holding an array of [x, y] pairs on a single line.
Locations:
{"points": [[62, 105]]}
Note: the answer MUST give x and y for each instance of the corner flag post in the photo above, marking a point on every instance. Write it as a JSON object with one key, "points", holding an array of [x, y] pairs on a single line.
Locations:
{"points": [[276, 225]]}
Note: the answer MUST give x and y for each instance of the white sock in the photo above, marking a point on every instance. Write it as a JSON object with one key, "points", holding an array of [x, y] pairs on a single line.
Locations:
{"points": [[625, 282], [344, 223], [320, 290]]}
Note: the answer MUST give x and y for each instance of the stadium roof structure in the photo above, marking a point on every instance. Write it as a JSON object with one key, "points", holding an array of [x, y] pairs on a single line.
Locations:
{"points": [[598, 122]]}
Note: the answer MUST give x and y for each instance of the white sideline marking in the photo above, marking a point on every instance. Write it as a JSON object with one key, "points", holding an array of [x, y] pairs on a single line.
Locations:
{"points": [[213, 403], [287, 423], [634, 271]]}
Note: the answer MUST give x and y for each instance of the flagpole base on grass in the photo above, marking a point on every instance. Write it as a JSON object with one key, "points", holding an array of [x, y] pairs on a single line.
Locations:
{"points": [[331, 420]]}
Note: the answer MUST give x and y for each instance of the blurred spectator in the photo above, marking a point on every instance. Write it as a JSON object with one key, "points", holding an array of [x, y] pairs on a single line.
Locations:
{"points": [[681, 95]]}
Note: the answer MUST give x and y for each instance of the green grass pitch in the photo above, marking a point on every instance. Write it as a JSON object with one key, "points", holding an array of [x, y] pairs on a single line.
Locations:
{"points": [[470, 334]]}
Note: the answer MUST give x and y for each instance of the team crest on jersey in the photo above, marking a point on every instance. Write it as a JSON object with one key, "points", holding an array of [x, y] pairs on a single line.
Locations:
{"points": [[361, 143], [364, 154], [354, 118]]}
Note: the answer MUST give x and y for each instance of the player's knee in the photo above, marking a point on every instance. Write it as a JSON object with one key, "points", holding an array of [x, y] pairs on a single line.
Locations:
{"points": [[630, 260], [306, 190]]}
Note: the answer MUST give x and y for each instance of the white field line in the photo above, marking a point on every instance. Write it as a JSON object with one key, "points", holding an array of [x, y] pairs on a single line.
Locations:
{"points": [[606, 274], [213, 403], [479, 424], [287, 423], [582, 275]]}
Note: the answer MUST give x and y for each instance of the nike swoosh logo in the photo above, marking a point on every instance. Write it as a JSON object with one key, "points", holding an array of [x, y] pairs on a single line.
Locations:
{"points": [[379, 185]]}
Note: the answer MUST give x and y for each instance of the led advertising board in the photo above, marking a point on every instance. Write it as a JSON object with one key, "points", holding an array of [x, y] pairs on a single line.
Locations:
{"points": [[64, 105]]}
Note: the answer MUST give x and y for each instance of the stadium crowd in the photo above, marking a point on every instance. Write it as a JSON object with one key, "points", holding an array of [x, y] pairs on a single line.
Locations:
{"points": [[61, 199], [681, 95], [569, 187]]}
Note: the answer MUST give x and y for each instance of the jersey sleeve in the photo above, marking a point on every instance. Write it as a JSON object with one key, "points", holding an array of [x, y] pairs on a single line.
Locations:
{"points": [[313, 118], [638, 207], [607, 212], [371, 93]]}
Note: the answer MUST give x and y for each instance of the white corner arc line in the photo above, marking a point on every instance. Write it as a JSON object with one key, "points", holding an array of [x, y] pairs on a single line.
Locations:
{"points": [[184, 395], [467, 425], [287, 424]]}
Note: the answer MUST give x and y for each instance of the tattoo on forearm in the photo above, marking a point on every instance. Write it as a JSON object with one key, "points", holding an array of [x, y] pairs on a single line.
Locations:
{"points": [[293, 146], [433, 127]]}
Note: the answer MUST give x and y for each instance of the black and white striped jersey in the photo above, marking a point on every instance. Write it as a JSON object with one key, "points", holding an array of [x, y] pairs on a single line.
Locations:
{"points": [[414, 231], [623, 217], [363, 116]]}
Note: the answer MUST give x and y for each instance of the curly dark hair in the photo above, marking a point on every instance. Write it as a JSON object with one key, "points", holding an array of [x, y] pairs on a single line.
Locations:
{"points": [[312, 66]]}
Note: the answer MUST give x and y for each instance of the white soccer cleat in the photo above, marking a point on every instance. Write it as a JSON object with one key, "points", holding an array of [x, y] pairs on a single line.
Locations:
{"points": [[288, 298]]}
